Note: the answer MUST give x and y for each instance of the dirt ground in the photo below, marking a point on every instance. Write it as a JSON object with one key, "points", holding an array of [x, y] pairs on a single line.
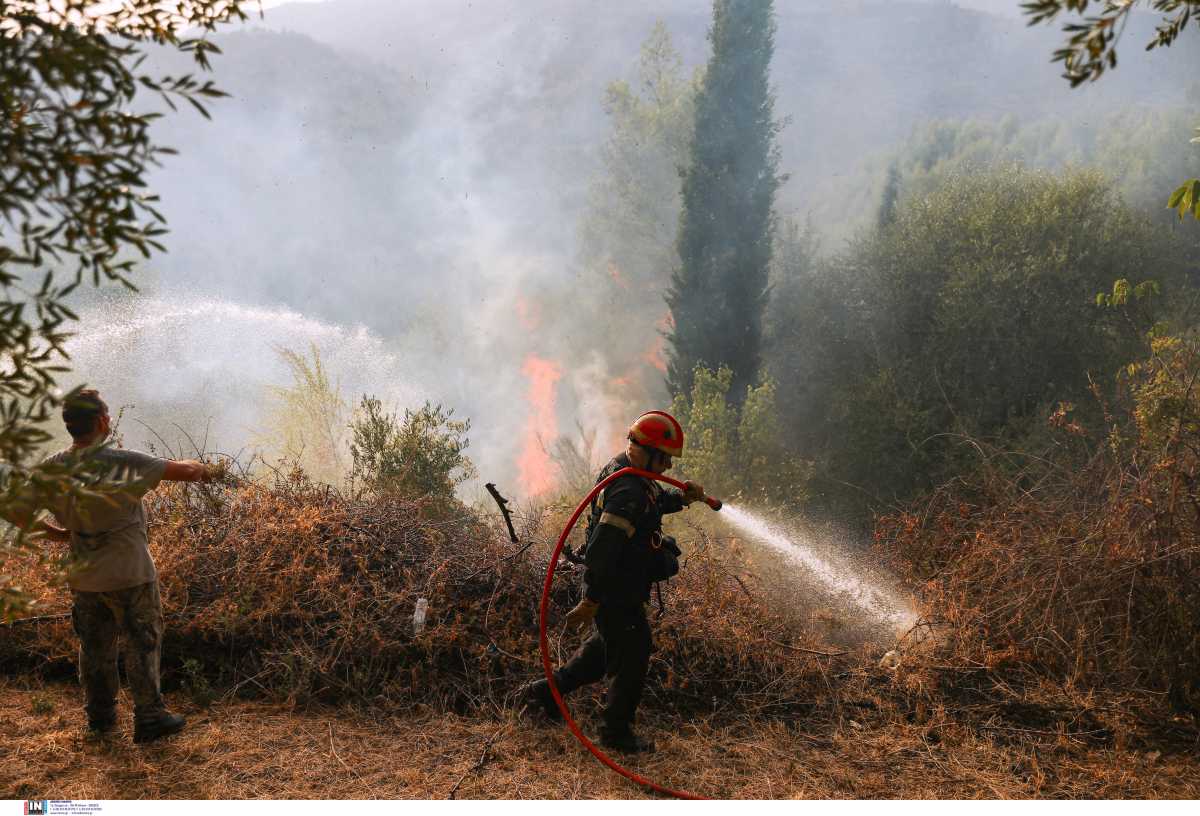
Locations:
{"points": [[240, 749]]}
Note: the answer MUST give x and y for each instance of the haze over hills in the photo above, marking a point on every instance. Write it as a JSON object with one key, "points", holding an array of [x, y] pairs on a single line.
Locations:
{"points": [[487, 117], [421, 168]]}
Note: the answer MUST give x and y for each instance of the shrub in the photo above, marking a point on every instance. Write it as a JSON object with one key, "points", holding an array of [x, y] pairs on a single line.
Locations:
{"points": [[298, 591], [737, 450], [1087, 574], [970, 315], [419, 455]]}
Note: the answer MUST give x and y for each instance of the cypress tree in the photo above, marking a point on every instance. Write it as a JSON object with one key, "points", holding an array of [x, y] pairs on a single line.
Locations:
{"points": [[718, 294], [891, 196]]}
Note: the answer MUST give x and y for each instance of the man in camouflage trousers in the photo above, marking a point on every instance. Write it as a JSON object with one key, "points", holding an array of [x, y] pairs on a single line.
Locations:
{"points": [[112, 576]]}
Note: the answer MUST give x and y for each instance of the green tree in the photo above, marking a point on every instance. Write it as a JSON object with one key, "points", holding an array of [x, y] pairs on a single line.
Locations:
{"points": [[627, 236], [419, 455], [816, 345], [1091, 49], [633, 210], [891, 195], [737, 447], [74, 203], [718, 294], [970, 318]]}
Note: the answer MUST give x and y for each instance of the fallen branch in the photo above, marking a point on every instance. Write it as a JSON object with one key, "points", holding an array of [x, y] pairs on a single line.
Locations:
{"points": [[479, 763], [38, 619], [805, 651]]}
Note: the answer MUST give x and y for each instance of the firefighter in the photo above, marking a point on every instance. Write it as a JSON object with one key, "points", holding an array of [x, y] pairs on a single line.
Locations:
{"points": [[113, 579], [624, 556]]}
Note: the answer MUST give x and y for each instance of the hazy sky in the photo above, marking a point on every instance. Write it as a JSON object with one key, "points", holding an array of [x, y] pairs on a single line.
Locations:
{"points": [[401, 183], [1011, 8]]}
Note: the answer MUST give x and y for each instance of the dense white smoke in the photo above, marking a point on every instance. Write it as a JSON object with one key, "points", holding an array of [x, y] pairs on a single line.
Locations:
{"points": [[402, 184]]}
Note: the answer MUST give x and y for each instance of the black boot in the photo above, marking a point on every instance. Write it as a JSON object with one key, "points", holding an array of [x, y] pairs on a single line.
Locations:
{"points": [[536, 696], [99, 724], [625, 741], [165, 724]]}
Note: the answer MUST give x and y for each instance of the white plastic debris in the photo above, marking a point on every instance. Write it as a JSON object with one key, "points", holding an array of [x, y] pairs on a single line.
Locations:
{"points": [[890, 661], [419, 615]]}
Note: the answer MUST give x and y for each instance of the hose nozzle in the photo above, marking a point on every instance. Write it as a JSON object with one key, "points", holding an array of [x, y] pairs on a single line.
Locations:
{"points": [[714, 503]]}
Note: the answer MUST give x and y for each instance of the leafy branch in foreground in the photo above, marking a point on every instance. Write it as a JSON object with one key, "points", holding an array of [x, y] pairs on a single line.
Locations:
{"points": [[1091, 49], [74, 202]]}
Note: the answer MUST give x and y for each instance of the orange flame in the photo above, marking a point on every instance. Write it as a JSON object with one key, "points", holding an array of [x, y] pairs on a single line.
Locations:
{"points": [[654, 355], [536, 470], [614, 272]]}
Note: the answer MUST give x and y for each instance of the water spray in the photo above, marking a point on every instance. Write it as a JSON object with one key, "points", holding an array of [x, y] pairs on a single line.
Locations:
{"points": [[840, 580], [715, 504]]}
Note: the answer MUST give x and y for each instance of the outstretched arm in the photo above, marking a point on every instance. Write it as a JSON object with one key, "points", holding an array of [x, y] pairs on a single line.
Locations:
{"points": [[190, 470]]}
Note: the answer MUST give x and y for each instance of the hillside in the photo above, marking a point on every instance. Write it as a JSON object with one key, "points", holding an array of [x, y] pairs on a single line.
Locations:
{"points": [[378, 141]]}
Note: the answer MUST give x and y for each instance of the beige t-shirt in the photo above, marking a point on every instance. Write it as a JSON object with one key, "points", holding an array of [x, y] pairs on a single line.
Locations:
{"points": [[110, 541]]}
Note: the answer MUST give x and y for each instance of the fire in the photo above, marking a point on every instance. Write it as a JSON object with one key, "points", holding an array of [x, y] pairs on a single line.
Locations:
{"points": [[536, 469], [654, 354], [614, 272]]}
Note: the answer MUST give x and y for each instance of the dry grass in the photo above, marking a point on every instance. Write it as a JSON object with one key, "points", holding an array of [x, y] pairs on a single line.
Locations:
{"points": [[239, 749], [290, 645], [1089, 577], [298, 593]]}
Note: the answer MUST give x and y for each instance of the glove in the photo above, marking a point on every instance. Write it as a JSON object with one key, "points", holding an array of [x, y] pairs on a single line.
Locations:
{"points": [[582, 614], [692, 492]]}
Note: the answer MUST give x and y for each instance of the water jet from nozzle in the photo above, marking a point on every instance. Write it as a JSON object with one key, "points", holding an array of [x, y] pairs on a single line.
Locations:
{"points": [[840, 580]]}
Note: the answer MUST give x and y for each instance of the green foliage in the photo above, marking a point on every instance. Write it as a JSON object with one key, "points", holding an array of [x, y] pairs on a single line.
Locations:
{"points": [[1121, 291], [306, 421], [737, 447], [968, 318], [1186, 199], [1166, 399], [1092, 42], [74, 198], [718, 294], [627, 237], [891, 195], [633, 209], [420, 455], [197, 686], [1138, 149], [1092, 47]]}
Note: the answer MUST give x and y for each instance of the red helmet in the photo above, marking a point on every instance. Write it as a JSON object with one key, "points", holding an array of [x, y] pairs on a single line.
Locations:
{"points": [[658, 430]]}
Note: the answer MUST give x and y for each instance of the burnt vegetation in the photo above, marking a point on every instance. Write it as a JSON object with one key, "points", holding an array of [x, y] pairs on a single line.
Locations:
{"points": [[997, 376]]}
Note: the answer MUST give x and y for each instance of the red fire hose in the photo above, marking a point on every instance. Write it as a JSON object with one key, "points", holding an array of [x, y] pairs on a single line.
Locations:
{"points": [[715, 504]]}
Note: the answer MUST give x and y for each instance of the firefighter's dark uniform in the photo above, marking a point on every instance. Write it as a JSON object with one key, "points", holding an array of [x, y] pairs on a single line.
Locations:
{"points": [[624, 526]]}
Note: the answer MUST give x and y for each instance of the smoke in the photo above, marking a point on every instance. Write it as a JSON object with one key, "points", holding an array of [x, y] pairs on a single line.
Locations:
{"points": [[403, 183]]}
